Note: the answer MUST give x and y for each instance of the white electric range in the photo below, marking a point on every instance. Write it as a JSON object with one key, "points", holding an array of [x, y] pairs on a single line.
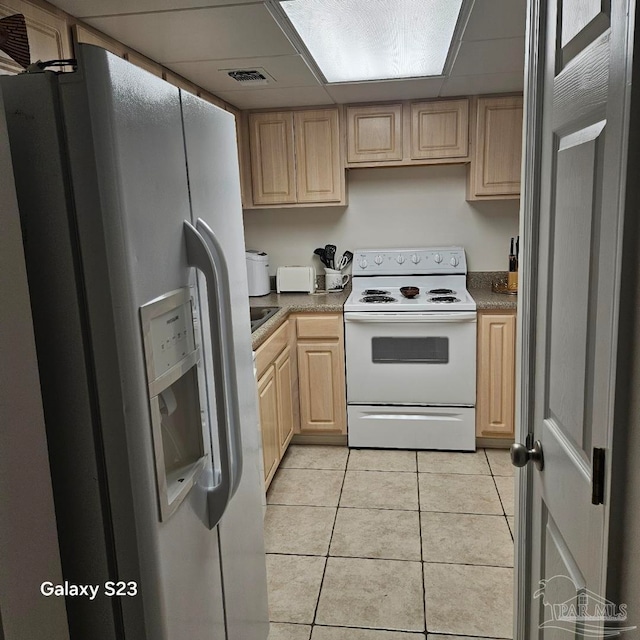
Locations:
{"points": [[411, 363]]}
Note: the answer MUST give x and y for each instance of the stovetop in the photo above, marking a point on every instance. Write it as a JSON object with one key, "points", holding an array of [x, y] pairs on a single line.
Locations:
{"points": [[440, 273], [437, 293]]}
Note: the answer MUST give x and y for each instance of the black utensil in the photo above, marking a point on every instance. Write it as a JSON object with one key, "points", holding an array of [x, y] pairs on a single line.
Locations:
{"points": [[330, 253], [323, 257]]}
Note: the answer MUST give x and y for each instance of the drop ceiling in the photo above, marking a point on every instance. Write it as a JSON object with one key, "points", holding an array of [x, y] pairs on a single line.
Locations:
{"points": [[203, 39]]}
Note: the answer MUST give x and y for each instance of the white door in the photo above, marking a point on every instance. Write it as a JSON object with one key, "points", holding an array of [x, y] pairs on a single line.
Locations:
{"points": [[579, 106]]}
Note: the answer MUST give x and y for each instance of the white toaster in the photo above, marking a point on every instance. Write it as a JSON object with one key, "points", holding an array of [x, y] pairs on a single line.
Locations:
{"points": [[296, 279]]}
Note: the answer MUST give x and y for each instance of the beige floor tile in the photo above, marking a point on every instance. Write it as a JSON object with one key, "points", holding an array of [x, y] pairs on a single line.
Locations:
{"points": [[313, 456], [457, 493], [462, 538], [293, 584], [380, 490], [341, 633], [379, 594], [382, 460], [377, 533], [298, 530], [469, 600], [500, 462], [453, 462], [512, 525], [506, 489], [309, 487], [285, 631]]}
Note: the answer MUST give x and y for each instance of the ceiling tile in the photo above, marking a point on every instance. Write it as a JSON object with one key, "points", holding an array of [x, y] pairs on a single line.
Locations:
{"points": [[492, 19], [479, 84], [286, 71], [489, 56], [241, 31], [393, 90], [274, 98], [86, 8]]}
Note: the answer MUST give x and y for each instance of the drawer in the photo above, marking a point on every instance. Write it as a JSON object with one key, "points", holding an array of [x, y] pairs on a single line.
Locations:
{"points": [[272, 348], [321, 326]]}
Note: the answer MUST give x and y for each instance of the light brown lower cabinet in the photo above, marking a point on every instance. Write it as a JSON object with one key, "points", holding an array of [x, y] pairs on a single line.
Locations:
{"points": [[323, 407], [495, 404], [284, 392], [276, 398], [268, 403]]}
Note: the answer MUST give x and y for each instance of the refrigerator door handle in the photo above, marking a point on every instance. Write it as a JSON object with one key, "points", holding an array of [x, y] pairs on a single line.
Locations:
{"points": [[232, 403], [199, 256]]}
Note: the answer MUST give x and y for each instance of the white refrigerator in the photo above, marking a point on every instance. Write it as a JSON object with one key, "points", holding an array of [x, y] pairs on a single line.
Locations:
{"points": [[129, 199]]}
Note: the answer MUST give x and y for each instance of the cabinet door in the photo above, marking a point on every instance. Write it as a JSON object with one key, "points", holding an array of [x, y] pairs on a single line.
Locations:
{"points": [[496, 375], [284, 386], [268, 405], [318, 165], [322, 387], [374, 133], [272, 158], [498, 148], [440, 129], [49, 37]]}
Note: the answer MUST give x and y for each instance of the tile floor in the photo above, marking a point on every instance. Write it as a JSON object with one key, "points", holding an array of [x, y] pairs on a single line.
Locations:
{"points": [[390, 545]]}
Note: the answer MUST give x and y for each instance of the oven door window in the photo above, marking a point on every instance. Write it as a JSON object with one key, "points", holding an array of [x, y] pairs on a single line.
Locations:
{"points": [[424, 350]]}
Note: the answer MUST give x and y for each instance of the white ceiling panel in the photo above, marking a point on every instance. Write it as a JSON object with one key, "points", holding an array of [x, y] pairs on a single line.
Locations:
{"points": [[275, 98], [87, 8], [242, 31], [479, 84], [489, 56], [492, 19], [379, 91], [286, 71]]}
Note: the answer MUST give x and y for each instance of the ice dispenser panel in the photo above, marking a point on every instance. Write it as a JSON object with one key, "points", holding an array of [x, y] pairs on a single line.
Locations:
{"points": [[172, 357]]}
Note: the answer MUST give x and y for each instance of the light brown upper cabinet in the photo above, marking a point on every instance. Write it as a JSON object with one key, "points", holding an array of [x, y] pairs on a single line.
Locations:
{"points": [[272, 157], [295, 158], [440, 129], [494, 173], [408, 133], [374, 133], [318, 167]]}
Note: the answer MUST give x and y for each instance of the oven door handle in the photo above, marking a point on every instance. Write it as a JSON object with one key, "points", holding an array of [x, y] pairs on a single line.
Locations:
{"points": [[384, 317]]}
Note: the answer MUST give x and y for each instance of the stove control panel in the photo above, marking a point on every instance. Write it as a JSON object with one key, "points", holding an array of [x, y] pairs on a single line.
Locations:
{"points": [[390, 262]]}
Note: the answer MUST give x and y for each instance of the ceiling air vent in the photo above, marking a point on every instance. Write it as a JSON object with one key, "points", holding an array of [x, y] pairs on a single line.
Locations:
{"points": [[249, 77]]}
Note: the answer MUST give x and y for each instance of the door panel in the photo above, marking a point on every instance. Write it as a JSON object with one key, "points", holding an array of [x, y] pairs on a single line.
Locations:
{"points": [[582, 157]]}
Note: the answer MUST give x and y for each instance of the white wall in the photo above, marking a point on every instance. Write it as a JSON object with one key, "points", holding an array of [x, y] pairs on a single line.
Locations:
{"points": [[391, 207]]}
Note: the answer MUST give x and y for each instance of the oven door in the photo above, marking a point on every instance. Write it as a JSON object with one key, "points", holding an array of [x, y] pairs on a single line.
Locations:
{"points": [[411, 358]]}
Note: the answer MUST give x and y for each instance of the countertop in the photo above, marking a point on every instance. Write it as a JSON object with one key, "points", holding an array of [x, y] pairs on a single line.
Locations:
{"points": [[479, 288], [294, 303], [487, 299]]}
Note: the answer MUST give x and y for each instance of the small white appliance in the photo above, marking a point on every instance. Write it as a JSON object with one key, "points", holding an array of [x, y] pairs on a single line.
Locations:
{"points": [[411, 362], [296, 279], [258, 273]]}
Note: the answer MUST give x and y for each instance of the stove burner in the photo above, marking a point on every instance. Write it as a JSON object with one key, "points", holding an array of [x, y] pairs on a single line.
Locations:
{"points": [[375, 292], [445, 299], [378, 298], [442, 292]]}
